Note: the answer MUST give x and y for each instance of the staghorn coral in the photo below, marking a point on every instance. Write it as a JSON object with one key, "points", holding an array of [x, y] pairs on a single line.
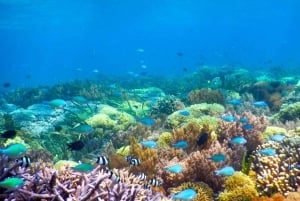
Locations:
{"points": [[206, 96], [278, 173], [204, 192], [238, 187]]}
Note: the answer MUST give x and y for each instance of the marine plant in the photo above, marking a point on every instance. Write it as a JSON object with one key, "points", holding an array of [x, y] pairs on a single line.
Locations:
{"points": [[238, 187]]}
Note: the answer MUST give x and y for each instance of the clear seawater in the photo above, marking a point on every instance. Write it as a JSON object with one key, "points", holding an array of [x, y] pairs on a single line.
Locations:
{"points": [[44, 42]]}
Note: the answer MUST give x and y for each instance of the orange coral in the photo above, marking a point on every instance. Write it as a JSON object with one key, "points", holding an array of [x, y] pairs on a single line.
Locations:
{"points": [[275, 197]]}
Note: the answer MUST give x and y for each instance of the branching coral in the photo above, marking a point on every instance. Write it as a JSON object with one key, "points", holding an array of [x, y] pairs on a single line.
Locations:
{"points": [[238, 187]]}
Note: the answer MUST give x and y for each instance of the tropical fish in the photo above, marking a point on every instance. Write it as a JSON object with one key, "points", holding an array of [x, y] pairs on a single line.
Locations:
{"points": [[133, 161], [102, 160], [228, 118], [6, 85], [14, 150], [149, 144], [147, 121], [238, 140], [9, 134], [187, 194], [80, 100], [260, 104], [174, 168], [225, 171], [233, 101], [248, 126], [83, 167], [181, 144], [23, 162], [154, 182], [113, 176], [277, 137], [58, 103], [58, 128], [202, 139], [83, 129], [218, 158], [75, 146], [243, 120], [184, 113], [268, 151], [12, 183], [142, 176]]}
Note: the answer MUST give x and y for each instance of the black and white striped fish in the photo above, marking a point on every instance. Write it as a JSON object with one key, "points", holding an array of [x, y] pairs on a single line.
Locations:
{"points": [[142, 176], [113, 176], [154, 182], [133, 161], [102, 160], [24, 162]]}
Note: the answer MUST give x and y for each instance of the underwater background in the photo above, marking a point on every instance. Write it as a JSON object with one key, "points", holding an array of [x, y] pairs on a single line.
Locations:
{"points": [[150, 100]]}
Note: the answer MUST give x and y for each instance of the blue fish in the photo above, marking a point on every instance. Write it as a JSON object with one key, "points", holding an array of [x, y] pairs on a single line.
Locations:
{"points": [[83, 129], [277, 137], [260, 104], [243, 120], [238, 140], [187, 194], [58, 103], [181, 144], [225, 171], [233, 101], [228, 118], [184, 113], [147, 121], [268, 151], [175, 168], [149, 144], [218, 158], [248, 126], [80, 100]]}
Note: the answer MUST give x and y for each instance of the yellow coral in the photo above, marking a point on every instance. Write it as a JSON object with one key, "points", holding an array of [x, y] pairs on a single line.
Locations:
{"points": [[238, 187], [204, 192], [61, 164], [164, 139], [15, 140], [271, 130], [101, 120], [124, 151]]}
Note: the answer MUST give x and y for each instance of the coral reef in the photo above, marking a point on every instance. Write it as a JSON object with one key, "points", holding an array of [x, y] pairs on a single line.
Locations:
{"points": [[288, 112], [275, 197], [166, 105], [238, 187], [206, 96]]}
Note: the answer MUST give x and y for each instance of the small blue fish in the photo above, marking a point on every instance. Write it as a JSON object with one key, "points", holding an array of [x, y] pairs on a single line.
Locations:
{"points": [[277, 137], [184, 113], [80, 100], [83, 167], [238, 140], [174, 168], [149, 144], [187, 194], [83, 129], [58, 103], [233, 101], [225, 171], [228, 118], [248, 126], [260, 104], [147, 121], [181, 144], [218, 158], [243, 120], [268, 151]]}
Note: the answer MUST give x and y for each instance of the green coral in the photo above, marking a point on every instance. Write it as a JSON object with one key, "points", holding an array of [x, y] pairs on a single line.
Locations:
{"points": [[289, 112], [101, 120], [164, 139], [238, 187], [214, 109]]}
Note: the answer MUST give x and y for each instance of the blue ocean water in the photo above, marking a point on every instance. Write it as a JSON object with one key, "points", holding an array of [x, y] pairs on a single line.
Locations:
{"points": [[47, 42]]}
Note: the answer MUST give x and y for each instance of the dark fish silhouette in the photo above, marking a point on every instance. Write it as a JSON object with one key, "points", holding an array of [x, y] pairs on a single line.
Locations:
{"points": [[202, 139], [75, 146], [6, 84], [57, 128], [180, 54], [185, 69], [9, 134]]}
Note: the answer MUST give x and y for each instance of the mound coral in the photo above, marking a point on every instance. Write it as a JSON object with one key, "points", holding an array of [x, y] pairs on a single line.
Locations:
{"points": [[206, 96], [288, 112], [238, 187]]}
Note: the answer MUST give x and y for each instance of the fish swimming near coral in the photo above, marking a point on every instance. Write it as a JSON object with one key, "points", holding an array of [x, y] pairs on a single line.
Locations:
{"points": [[218, 158], [12, 183], [202, 139], [260, 104], [102, 160], [113, 176], [83, 167], [58, 128], [75, 146], [238, 140], [184, 113], [228, 118], [14, 150], [83, 129], [147, 121], [248, 126], [233, 101], [9, 134], [277, 137], [187, 194], [181, 144], [243, 120], [133, 161], [267, 151], [154, 182], [149, 144], [57, 103], [225, 171], [142, 176], [80, 100], [23, 162], [174, 168]]}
